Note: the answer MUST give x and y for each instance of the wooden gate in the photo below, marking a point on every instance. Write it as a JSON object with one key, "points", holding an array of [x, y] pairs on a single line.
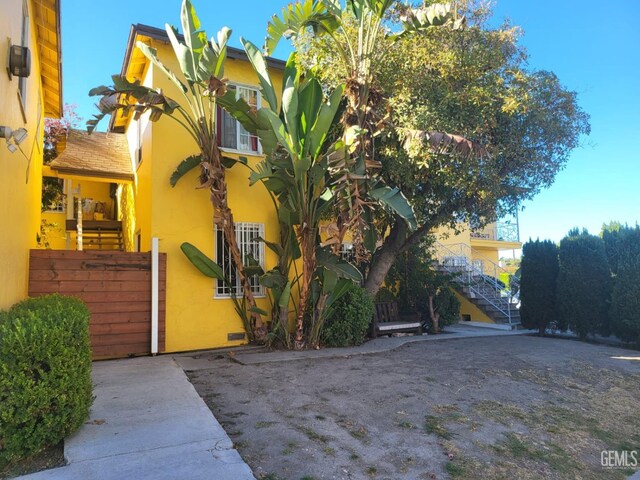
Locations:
{"points": [[116, 287]]}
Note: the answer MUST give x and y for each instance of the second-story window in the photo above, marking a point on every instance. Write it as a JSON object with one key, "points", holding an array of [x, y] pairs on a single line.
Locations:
{"points": [[231, 134]]}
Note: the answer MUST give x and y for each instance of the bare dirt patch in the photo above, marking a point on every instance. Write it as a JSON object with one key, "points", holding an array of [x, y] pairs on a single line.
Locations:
{"points": [[491, 408]]}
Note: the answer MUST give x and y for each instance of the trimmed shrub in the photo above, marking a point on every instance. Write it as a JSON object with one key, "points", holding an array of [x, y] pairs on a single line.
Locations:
{"points": [[620, 242], [538, 279], [584, 284], [350, 319], [625, 298], [45, 374]]}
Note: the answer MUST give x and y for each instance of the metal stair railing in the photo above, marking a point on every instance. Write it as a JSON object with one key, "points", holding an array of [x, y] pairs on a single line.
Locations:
{"points": [[457, 260]]}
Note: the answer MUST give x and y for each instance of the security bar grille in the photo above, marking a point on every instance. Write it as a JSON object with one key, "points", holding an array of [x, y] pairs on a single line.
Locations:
{"points": [[247, 237]]}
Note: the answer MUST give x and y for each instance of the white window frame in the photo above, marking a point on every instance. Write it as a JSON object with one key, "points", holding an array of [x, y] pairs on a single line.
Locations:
{"points": [[246, 233], [239, 126]]}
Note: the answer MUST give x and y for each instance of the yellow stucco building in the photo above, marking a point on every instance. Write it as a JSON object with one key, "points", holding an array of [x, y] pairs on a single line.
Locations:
{"points": [[199, 312], [33, 25], [475, 254]]}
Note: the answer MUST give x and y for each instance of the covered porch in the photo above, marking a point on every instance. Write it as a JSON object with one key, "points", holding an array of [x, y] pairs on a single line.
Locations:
{"points": [[97, 176]]}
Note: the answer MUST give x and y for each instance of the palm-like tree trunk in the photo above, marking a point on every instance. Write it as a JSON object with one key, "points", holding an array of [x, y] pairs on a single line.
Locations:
{"points": [[213, 171], [307, 237]]}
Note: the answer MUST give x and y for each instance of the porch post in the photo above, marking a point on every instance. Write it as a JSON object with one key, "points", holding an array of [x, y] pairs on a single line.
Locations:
{"points": [[154, 294], [79, 223]]}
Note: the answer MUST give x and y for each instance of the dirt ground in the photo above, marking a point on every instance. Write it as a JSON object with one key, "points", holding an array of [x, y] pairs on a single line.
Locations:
{"points": [[513, 407]]}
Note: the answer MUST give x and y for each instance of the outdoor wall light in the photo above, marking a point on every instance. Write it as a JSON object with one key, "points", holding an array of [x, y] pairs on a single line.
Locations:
{"points": [[19, 61], [13, 137]]}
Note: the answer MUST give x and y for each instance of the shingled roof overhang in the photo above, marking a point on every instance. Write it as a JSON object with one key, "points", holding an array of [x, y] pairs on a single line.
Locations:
{"points": [[99, 155]]}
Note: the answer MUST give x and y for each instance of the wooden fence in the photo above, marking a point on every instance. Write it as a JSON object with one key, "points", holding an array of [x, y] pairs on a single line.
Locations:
{"points": [[116, 287]]}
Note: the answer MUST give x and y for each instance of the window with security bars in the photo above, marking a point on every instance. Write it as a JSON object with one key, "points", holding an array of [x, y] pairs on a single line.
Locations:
{"points": [[247, 237], [231, 134], [348, 253]]}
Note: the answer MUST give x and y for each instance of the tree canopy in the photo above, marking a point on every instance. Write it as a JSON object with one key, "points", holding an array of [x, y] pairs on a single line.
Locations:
{"points": [[469, 86]]}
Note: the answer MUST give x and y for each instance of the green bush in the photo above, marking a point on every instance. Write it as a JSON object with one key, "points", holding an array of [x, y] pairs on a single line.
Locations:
{"points": [[538, 279], [584, 284], [45, 374], [625, 301], [350, 319], [423, 289], [625, 298]]}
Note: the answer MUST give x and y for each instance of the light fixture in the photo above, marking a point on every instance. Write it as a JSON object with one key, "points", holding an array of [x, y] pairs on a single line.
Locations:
{"points": [[19, 61], [13, 137]]}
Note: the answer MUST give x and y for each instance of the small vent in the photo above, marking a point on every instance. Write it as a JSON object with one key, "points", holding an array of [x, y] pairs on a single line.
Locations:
{"points": [[235, 336]]}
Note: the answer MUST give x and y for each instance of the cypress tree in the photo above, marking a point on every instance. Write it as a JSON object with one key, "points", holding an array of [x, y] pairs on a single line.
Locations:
{"points": [[538, 279], [584, 284], [625, 298]]}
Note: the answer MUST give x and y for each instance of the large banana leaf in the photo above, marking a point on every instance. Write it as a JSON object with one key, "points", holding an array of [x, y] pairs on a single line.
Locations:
{"points": [[394, 200], [185, 167], [421, 19], [260, 66], [194, 38], [152, 54], [203, 263], [184, 56], [337, 265], [320, 16], [126, 96], [290, 104], [322, 124]]}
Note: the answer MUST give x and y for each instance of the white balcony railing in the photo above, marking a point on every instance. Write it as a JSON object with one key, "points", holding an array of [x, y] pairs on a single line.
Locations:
{"points": [[500, 232]]}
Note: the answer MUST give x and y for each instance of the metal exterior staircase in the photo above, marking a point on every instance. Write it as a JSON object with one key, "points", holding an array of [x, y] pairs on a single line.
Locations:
{"points": [[477, 279]]}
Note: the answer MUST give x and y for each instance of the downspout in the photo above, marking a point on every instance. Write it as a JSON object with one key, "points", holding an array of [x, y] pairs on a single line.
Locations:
{"points": [[154, 294]]}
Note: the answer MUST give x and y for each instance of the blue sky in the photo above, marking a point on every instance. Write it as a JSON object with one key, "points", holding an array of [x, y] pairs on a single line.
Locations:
{"points": [[595, 50]]}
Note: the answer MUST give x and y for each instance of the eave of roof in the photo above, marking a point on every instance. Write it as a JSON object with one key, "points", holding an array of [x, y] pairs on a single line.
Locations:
{"points": [[161, 36], [46, 14]]}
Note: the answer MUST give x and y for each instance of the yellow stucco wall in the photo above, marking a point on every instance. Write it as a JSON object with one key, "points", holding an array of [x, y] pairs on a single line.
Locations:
{"points": [[19, 199], [468, 308], [195, 318]]}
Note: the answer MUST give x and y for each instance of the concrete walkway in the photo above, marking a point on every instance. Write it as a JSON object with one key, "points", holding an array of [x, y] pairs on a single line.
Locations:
{"points": [[190, 361], [148, 422]]}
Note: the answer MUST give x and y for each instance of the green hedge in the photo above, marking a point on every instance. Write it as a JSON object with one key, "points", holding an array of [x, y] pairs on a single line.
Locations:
{"points": [[538, 279], [584, 284], [350, 320], [45, 374]]}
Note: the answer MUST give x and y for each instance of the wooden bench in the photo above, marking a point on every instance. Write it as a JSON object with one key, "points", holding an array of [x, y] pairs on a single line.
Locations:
{"points": [[387, 320]]}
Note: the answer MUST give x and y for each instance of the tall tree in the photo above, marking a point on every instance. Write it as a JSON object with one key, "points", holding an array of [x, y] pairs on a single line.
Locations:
{"points": [[538, 281], [355, 33], [513, 128], [584, 284], [622, 244]]}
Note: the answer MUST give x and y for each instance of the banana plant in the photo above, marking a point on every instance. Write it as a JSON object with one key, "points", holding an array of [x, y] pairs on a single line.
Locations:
{"points": [[296, 171], [355, 171], [201, 86]]}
